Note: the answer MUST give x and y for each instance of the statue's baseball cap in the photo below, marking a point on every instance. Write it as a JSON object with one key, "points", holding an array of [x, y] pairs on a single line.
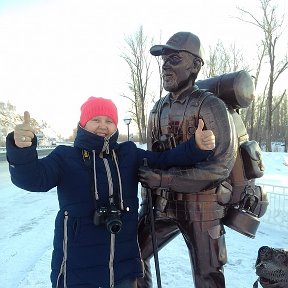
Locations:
{"points": [[181, 41]]}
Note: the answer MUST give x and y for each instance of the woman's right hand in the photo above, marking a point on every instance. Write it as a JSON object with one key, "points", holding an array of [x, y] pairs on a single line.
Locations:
{"points": [[23, 133]]}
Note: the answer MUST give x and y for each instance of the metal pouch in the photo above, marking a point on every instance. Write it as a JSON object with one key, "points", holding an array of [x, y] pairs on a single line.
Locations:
{"points": [[160, 204], [242, 221], [252, 159], [224, 193], [262, 202]]}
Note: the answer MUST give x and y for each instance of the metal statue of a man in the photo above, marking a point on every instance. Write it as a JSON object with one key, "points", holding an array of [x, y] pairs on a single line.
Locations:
{"points": [[188, 200]]}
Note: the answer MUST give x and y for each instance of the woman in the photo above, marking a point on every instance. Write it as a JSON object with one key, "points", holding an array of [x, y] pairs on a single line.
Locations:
{"points": [[95, 237]]}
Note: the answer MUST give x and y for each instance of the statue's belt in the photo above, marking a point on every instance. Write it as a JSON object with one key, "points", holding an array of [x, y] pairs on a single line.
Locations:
{"points": [[209, 196]]}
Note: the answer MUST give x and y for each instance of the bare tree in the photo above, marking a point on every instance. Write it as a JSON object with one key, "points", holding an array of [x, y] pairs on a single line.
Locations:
{"points": [[251, 110], [223, 60], [285, 125], [159, 66], [271, 25], [138, 61]]}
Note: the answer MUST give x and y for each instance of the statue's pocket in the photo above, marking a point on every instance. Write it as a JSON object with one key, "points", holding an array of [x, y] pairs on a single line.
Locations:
{"points": [[224, 193]]}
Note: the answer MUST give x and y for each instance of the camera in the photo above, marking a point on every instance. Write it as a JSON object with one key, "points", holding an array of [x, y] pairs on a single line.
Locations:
{"points": [[166, 142], [110, 216]]}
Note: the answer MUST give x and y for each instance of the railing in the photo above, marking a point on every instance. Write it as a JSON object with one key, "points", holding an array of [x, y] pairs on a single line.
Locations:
{"points": [[277, 211], [41, 150]]}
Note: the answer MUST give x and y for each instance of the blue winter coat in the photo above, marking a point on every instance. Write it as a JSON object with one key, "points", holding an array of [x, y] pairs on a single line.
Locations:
{"points": [[83, 252]]}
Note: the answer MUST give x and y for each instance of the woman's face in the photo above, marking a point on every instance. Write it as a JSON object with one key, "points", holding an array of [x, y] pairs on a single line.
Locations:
{"points": [[101, 125]]}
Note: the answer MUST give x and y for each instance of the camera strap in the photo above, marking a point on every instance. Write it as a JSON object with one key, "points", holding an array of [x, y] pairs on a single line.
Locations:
{"points": [[114, 184]]}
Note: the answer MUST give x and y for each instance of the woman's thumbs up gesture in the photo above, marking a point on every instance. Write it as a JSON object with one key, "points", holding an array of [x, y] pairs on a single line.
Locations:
{"points": [[23, 133]]}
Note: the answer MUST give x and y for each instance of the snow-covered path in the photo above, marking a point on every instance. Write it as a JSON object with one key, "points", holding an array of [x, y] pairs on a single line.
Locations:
{"points": [[26, 235], [27, 223]]}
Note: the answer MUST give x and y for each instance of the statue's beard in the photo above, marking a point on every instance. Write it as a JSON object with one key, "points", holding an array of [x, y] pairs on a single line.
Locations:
{"points": [[173, 86]]}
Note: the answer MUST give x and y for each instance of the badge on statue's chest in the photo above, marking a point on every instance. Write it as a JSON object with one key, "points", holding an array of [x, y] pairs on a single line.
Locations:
{"points": [[173, 127], [182, 130], [181, 121]]}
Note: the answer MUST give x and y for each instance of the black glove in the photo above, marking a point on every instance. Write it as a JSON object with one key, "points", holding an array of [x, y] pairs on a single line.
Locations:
{"points": [[149, 178]]}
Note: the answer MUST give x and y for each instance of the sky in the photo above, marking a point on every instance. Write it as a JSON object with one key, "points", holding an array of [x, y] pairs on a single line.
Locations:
{"points": [[27, 225], [54, 54]]}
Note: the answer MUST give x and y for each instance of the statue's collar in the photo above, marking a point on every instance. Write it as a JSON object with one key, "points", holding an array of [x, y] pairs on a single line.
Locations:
{"points": [[183, 97]]}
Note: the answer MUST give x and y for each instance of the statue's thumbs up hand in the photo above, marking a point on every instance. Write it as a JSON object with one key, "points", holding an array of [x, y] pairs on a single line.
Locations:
{"points": [[23, 133], [205, 139]]}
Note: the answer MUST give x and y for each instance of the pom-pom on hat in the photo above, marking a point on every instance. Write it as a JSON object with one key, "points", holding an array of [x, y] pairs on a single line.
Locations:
{"points": [[97, 106]]}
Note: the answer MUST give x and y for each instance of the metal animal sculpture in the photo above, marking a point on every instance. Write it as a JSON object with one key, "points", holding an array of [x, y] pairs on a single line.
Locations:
{"points": [[272, 267]]}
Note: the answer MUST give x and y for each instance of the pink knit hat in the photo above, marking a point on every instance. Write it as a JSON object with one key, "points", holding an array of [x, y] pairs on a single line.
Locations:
{"points": [[97, 106]]}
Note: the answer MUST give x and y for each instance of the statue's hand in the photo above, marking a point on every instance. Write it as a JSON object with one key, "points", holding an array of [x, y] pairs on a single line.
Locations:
{"points": [[205, 139], [149, 178]]}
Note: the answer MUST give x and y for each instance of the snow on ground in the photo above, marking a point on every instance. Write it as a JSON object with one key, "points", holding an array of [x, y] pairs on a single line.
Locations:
{"points": [[27, 224]]}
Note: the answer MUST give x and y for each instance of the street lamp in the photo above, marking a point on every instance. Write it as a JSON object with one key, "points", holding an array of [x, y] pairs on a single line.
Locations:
{"points": [[127, 121]]}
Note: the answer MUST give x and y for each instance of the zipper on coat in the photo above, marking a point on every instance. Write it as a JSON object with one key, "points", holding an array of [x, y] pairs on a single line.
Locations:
{"points": [[63, 268]]}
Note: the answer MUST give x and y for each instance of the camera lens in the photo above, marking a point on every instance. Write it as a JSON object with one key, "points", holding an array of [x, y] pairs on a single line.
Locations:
{"points": [[114, 225], [110, 216]]}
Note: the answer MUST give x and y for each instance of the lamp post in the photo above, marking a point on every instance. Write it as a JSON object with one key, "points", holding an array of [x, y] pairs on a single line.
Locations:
{"points": [[127, 121]]}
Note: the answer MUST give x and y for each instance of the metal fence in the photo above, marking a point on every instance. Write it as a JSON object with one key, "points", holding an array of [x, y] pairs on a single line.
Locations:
{"points": [[277, 211], [41, 152]]}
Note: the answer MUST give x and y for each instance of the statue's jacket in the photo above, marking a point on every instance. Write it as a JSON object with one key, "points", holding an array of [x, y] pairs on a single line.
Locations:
{"points": [[84, 253], [180, 120]]}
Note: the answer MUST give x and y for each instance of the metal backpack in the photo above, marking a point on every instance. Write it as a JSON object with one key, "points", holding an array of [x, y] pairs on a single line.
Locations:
{"points": [[248, 202]]}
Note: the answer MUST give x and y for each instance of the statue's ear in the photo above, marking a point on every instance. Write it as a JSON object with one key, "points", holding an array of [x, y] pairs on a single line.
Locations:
{"points": [[197, 64]]}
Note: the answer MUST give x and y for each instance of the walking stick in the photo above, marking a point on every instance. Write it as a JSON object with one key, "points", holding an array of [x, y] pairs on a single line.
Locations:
{"points": [[154, 239]]}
